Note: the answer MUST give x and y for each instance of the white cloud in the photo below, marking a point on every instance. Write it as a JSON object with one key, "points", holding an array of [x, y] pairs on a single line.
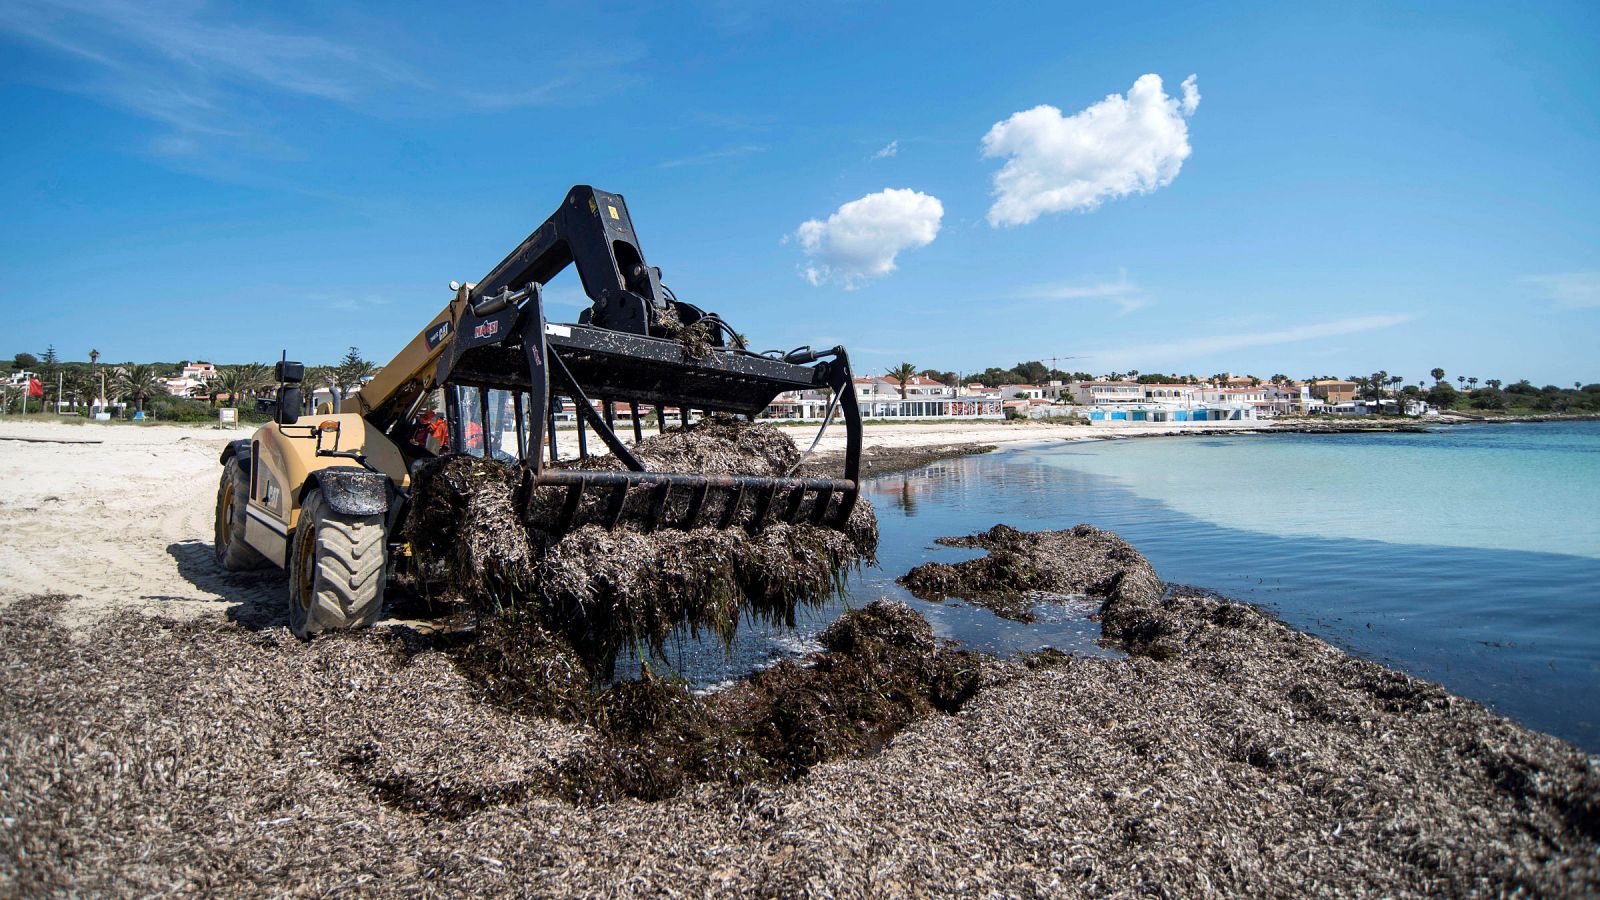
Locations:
{"points": [[1124, 293], [1188, 349], [1119, 146], [860, 241], [218, 77], [1570, 290], [711, 156], [890, 149]]}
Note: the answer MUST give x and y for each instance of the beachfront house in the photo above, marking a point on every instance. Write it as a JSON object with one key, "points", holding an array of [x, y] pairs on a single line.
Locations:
{"points": [[879, 398], [1333, 392], [1170, 394], [1103, 393]]}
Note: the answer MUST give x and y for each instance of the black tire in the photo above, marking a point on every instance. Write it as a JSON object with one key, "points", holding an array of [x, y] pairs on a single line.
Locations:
{"points": [[228, 540], [336, 570]]}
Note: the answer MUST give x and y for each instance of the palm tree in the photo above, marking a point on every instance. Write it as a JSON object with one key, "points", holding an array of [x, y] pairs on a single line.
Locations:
{"points": [[249, 378], [81, 387], [1473, 382], [1494, 383], [137, 383], [903, 374], [1438, 375], [1461, 380], [320, 376]]}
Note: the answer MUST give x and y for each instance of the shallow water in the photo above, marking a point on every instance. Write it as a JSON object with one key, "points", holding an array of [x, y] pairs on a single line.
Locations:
{"points": [[1468, 556]]}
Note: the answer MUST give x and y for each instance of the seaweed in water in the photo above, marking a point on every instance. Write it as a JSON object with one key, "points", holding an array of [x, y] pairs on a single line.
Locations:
{"points": [[880, 670], [1081, 560]]}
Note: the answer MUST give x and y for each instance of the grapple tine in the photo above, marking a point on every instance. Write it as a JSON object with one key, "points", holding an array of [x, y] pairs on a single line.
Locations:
{"points": [[820, 511], [697, 501], [638, 430], [550, 427], [658, 504], [569, 509], [763, 503], [797, 496], [583, 440], [614, 503], [731, 514]]}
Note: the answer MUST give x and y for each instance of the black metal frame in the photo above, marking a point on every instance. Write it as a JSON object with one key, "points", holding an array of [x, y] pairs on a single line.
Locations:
{"points": [[615, 354]]}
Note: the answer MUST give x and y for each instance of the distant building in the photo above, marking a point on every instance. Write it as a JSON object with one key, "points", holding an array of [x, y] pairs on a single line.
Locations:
{"points": [[1097, 393], [1028, 392], [1170, 393], [1334, 392], [879, 398], [200, 371]]}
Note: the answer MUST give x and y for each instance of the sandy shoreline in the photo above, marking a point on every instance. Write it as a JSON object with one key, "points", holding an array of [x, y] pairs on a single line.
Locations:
{"points": [[126, 523]]}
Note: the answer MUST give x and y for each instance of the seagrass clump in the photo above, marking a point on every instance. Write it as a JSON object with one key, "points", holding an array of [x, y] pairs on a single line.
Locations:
{"points": [[604, 590], [1021, 566]]}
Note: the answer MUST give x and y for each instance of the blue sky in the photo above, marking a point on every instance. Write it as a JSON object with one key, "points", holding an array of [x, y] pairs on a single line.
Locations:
{"points": [[1338, 189]]}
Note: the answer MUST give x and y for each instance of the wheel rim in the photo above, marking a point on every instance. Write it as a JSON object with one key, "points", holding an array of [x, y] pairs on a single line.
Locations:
{"points": [[305, 566]]}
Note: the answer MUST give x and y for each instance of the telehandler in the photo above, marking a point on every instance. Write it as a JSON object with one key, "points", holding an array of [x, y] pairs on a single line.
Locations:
{"points": [[324, 495]]}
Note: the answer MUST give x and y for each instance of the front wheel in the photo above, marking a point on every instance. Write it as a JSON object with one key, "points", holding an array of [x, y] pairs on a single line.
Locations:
{"points": [[228, 538], [336, 570]]}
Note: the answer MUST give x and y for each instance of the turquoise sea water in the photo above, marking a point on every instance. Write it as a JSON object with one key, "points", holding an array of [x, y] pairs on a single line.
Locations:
{"points": [[1468, 556]]}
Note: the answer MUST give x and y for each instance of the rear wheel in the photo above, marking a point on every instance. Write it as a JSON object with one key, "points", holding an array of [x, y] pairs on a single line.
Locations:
{"points": [[232, 493], [336, 569]]}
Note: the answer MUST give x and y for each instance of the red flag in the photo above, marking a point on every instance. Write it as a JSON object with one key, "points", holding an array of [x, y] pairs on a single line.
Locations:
{"points": [[35, 389]]}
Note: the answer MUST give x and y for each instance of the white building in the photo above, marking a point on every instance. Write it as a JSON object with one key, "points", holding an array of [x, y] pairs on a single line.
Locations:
{"points": [[1170, 394], [1021, 392], [200, 371], [1100, 393], [879, 398]]}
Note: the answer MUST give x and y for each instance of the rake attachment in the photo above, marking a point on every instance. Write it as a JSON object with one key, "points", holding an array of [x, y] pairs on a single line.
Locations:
{"points": [[509, 376]]}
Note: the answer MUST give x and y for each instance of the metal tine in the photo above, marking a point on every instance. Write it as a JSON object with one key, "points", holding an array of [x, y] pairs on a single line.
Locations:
{"points": [[638, 430], [820, 511], [611, 414], [569, 509], [796, 497], [583, 440], [661, 419], [731, 514], [658, 505], [550, 425], [763, 502], [683, 413], [614, 504], [522, 433], [697, 500]]}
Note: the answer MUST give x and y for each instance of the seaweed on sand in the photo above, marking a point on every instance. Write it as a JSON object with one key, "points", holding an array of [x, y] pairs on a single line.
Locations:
{"points": [[1022, 564]]}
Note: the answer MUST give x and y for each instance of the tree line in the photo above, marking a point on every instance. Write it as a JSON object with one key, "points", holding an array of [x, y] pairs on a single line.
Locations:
{"points": [[142, 386]]}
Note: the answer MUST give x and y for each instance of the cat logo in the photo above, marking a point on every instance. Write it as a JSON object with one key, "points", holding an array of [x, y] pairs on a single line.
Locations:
{"points": [[487, 329], [438, 334]]}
